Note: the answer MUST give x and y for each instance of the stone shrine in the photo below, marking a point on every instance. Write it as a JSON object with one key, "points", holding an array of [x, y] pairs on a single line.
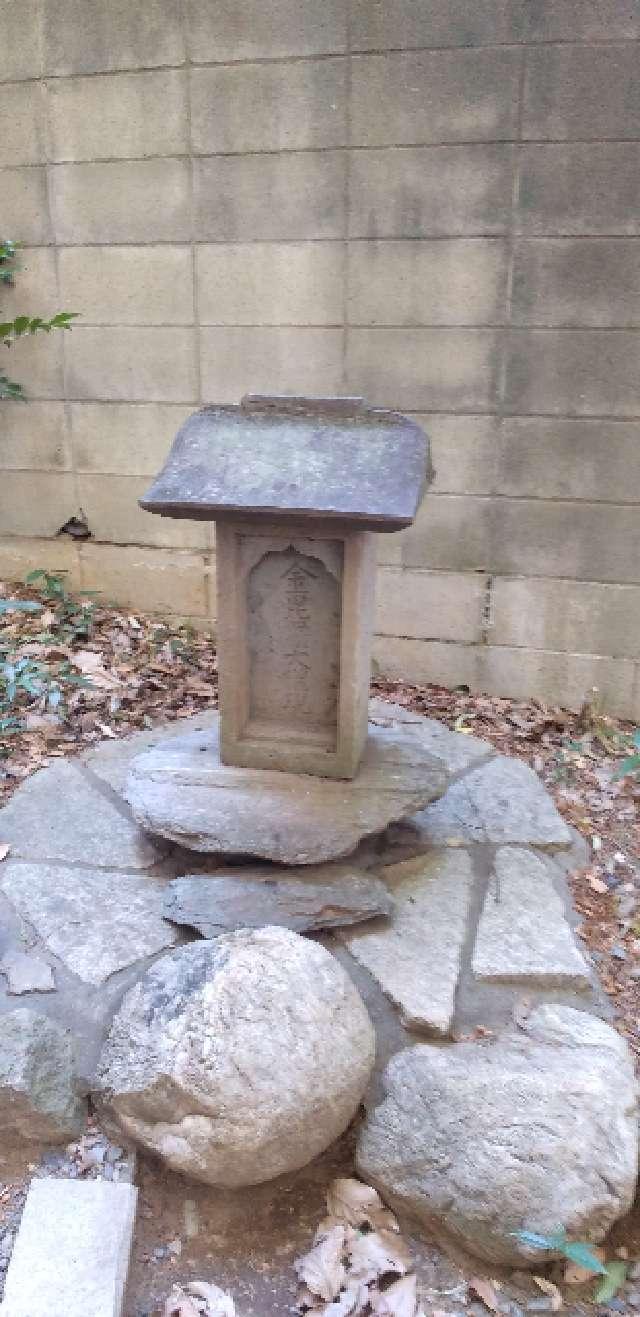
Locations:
{"points": [[297, 486]]}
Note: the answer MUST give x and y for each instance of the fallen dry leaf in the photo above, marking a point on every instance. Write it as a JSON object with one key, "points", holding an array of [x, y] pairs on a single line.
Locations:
{"points": [[548, 1287], [399, 1300], [377, 1253], [322, 1270], [352, 1302], [91, 666], [485, 1291], [358, 1204], [217, 1302], [180, 1305]]}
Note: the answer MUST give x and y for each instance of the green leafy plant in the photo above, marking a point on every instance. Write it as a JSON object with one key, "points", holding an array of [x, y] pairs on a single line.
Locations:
{"points": [[73, 612], [556, 1242], [613, 1274], [21, 326], [630, 766]]}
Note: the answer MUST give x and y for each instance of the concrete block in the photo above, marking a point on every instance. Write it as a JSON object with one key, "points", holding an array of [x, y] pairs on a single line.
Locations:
{"points": [[257, 283], [121, 201], [426, 661], [110, 504], [579, 372], [36, 503], [429, 605], [226, 32], [71, 1253], [123, 439], [127, 114], [133, 365], [577, 616], [235, 361], [450, 532], [22, 113], [574, 20], [269, 107], [402, 24], [586, 541], [443, 369], [577, 281], [568, 459], [34, 437], [566, 85], [457, 282], [297, 195], [552, 678], [580, 187], [20, 40], [22, 555], [128, 285], [36, 363], [423, 190], [25, 206], [151, 580], [35, 291], [97, 38], [434, 96], [464, 452]]}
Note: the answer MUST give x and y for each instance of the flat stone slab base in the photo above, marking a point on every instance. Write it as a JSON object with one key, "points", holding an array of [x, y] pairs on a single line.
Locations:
{"points": [[180, 790]]}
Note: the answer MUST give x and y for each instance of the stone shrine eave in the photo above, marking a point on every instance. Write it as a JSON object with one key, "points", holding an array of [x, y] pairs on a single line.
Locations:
{"points": [[289, 458]]}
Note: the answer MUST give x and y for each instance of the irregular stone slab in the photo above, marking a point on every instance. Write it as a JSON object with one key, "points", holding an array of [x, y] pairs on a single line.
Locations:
{"points": [[111, 760], [58, 815], [299, 899], [503, 801], [239, 1059], [25, 973], [523, 932], [95, 922], [182, 791], [456, 750], [71, 1255], [38, 1099], [416, 956], [482, 1139]]}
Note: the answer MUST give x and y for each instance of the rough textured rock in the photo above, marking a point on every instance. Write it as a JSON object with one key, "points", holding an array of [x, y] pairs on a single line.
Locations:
{"points": [[501, 802], [96, 922], [299, 899], [38, 1101], [456, 750], [523, 932], [58, 815], [25, 973], [536, 1130], [416, 956], [181, 790], [238, 1059]]}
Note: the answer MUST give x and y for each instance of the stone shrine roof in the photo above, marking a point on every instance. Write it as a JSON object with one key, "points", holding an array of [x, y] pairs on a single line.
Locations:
{"points": [[305, 457]]}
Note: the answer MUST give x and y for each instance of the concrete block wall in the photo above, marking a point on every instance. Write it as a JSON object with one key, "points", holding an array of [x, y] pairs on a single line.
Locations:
{"points": [[435, 203]]}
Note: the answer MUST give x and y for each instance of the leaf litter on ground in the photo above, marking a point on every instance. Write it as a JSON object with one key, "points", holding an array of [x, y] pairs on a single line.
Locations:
{"points": [[358, 1252]]}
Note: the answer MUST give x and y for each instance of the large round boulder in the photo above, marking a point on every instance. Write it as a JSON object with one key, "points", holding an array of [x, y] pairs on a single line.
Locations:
{"points": [[238, 1059], [535, 1131]]}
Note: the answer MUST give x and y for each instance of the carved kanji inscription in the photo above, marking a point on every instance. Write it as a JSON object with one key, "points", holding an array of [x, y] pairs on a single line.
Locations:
{"points": [[293, 606]]}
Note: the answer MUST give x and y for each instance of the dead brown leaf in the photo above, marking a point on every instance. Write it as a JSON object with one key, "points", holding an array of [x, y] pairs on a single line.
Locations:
{"points": [[377, 1253], [485, 1291], [358, 1204], [548, 1287], [322, 1270], [399, 1300]]}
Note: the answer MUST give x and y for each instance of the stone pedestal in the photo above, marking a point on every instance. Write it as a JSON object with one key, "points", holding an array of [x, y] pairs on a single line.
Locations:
{"points": [[181, 790], [295, 615]]}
